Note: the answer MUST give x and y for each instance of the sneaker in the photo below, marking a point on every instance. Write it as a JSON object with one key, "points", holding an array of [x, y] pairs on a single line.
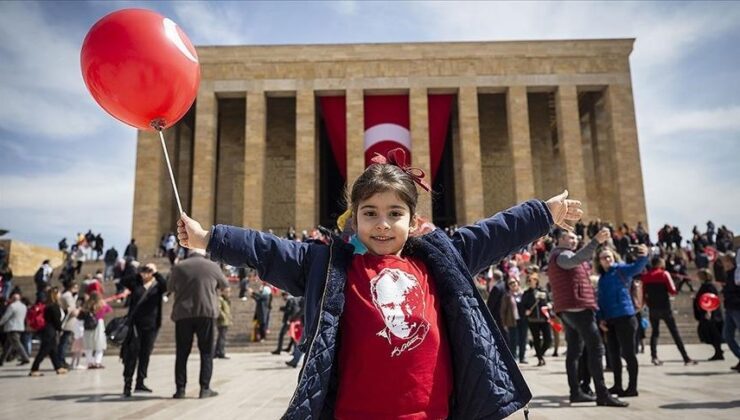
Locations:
{"points": [[581, 398], [736, 367], [690, 362], [610, 401], [23, 362], [657, 362], [717, 356], [142, 388], [618, 391], [179, 394], [207, 393], [35, 373], [630, 392], [62, 371], [291, 364], [276, 352]]}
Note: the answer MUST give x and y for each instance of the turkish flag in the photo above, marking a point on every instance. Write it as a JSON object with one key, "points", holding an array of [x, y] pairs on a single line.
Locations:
{"points": [[386, 125]]}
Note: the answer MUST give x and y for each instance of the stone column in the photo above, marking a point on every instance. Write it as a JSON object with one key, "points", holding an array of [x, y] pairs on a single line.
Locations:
{"points": [[147, 192], [355, 135], [306, 200], [420, 155], [517, 111], [622, 133], [469, 157], [204, 152], [571, 149], [254, 160]]}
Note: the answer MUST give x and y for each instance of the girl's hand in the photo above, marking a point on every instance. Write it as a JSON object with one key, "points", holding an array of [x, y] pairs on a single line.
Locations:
{"points": [[564, 210], [190, 234]]}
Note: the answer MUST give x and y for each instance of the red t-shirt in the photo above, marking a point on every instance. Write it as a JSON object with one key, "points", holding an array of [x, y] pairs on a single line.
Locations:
{"points": [[394, 359]]}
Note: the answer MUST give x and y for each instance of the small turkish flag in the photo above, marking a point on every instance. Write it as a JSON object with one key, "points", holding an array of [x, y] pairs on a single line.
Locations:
{"points": [[386, 125]]}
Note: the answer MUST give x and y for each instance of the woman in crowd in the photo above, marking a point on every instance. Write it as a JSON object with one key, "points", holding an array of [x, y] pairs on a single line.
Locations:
{"points": [[145, 319], [514, 320], [52, 325], [617, 313], [534, 299], [94, 309], [710, 323]]}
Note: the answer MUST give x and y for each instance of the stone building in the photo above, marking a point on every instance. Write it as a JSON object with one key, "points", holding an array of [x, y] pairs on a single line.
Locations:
{"points": [[528, 119]]}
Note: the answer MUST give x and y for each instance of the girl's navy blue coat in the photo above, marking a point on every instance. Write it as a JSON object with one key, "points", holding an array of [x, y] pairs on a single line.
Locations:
{"points": [[487, 382]]}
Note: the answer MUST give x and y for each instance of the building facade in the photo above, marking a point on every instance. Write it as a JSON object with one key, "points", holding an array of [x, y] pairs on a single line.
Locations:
{"points": [[528, 119]]}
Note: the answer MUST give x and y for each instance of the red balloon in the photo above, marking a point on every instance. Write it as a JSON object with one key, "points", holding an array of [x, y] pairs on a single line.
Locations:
{"points": [[558, 327], [141, 68], [709, 302]]}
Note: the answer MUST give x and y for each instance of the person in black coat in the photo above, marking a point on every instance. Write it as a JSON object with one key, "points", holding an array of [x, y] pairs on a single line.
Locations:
{"points": [[145, 319], [533, 300], [53, 316], [710, 323], [497, 292], [290, 309]]}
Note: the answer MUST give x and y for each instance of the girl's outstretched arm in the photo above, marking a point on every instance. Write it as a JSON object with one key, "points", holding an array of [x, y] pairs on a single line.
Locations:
{"points": [[489, 240], [278, 261]]}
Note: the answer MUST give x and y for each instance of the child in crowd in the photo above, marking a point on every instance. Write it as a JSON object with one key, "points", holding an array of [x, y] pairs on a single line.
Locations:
{"points": [[223, 322], [402, 319], [93, 312], [78, 346]]}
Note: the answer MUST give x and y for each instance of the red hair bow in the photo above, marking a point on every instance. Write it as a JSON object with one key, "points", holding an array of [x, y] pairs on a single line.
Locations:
{"points": [[397, 157]]}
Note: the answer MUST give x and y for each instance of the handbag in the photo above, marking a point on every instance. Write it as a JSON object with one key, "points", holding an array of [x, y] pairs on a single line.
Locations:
{"points": [[89, 321], [118, 328]]}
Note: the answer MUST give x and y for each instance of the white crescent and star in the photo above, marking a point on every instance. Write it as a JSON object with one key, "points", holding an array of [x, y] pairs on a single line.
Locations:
{"points": [[387, 132]]}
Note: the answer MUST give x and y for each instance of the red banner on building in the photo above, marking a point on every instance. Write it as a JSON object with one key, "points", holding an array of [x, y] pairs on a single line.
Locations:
{"points": [[386, 127]]}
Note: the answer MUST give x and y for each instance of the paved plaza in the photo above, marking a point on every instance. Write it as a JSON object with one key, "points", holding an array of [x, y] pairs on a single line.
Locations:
{"points": [[259, 386]]}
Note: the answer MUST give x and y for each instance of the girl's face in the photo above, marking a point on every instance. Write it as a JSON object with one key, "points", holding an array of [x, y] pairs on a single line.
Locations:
{"points": [[383, 223], [606, 259]]}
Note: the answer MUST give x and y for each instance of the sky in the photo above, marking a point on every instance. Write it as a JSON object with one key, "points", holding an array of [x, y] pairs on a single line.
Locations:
{"points": [[66, 166]]}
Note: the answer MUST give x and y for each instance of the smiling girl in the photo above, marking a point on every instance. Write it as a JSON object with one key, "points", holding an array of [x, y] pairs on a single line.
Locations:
{"points": [[399, 331]]}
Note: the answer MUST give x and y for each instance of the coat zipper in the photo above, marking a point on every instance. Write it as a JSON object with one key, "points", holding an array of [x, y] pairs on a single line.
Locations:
{"points": [[318, 323]]}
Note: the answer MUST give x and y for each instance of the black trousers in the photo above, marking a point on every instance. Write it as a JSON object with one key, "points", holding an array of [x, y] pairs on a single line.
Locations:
{"points": [[184, 331], [656, 316], [62, 347], [620, 344], [143, 342], [281, 335], [541, 337], [13, 343], [48, 348], [581, 331]]}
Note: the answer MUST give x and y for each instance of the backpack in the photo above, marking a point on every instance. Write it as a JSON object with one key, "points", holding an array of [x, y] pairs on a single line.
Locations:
{"points": [[89, 321], [35, 317]]}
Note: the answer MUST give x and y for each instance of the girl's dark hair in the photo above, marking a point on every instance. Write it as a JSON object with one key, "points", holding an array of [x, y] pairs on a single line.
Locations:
{"points": [[379, 178], [52, 298]]}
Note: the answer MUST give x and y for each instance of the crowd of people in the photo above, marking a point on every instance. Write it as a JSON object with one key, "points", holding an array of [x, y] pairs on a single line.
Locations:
{"points": [[624, 286]]}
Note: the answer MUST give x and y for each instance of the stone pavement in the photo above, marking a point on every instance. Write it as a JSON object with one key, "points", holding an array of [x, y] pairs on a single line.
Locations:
{"points": [[259, 386]]}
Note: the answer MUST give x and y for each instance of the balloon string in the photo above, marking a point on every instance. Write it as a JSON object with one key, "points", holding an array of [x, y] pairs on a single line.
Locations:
{"points": [[169, 167]]}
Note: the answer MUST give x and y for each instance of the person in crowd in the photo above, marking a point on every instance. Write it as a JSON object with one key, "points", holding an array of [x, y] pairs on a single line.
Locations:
{"points": [[13, 322], [6, 274], [263, 300], [514, 320], [92, 316], [78, 346], [495, 295], [617, 313], [575, 303], [710, 322], [170, 248], [677, 267], [535, 300], [223, 322], [110, 258], [294, 340], [99, 246], [659, 287], [194, 283], [131, 251], [391, 300], [41, 278], [731, 297], [289, 310], [68, 303], [145, 319], [52, 325]]}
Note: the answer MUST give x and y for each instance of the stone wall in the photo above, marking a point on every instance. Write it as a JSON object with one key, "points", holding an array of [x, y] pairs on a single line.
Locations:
{"points": [[26, 258]]}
